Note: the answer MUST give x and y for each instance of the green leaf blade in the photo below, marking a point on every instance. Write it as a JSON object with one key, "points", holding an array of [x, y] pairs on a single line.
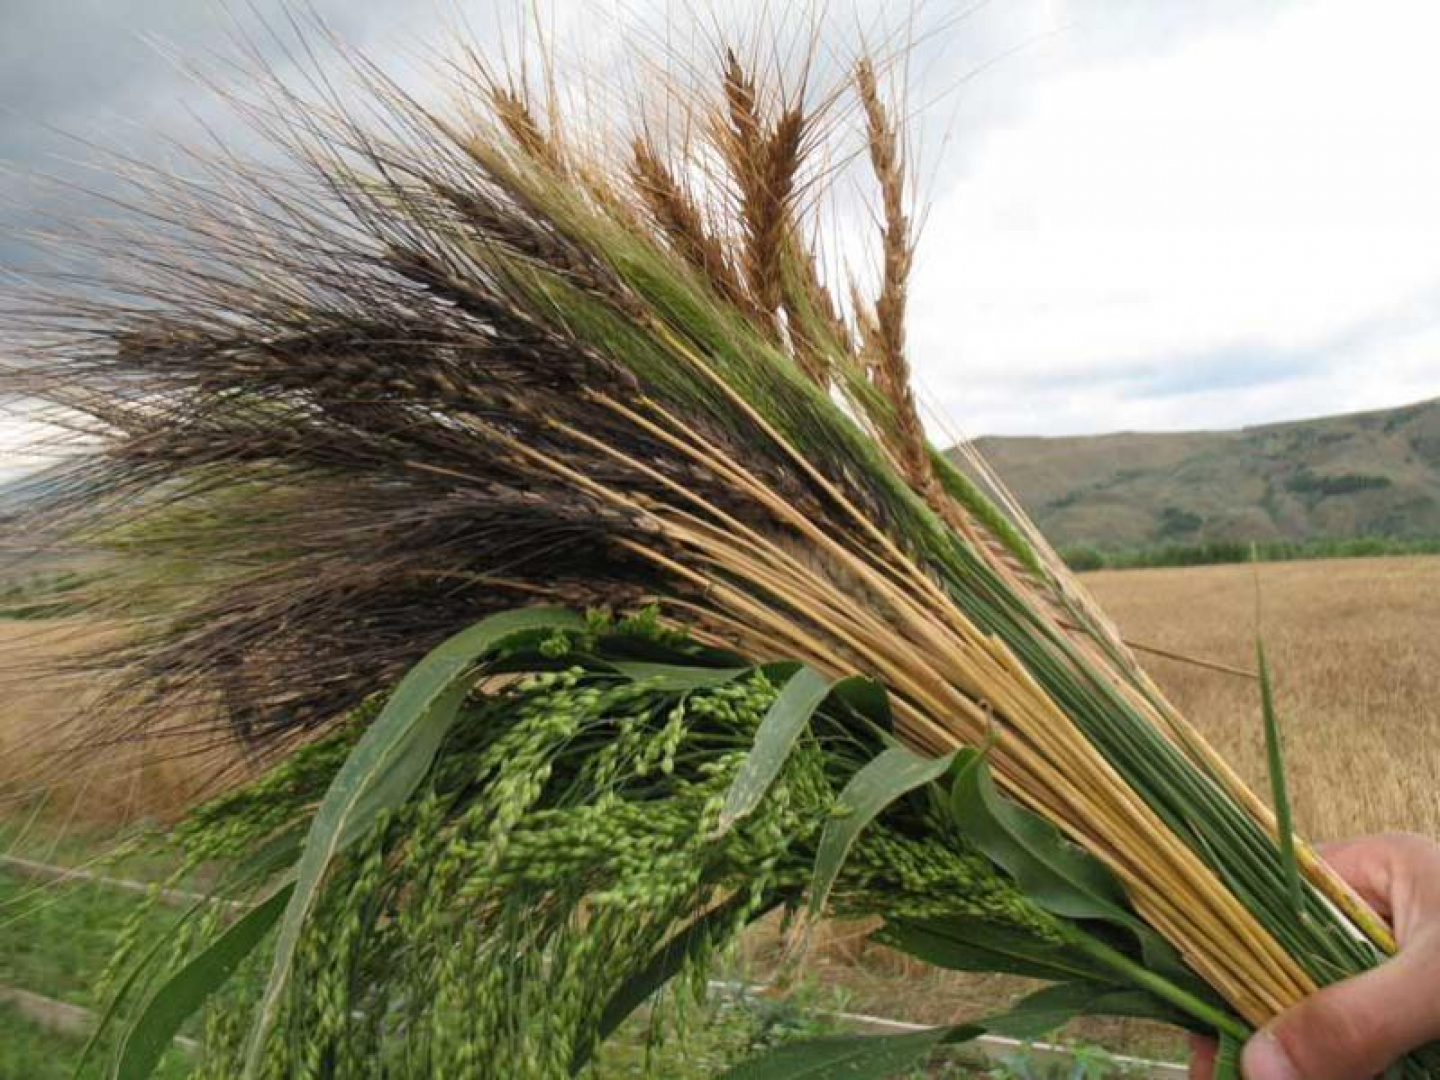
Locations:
{"points": [[1279, 789], [1049, 1008], [890, 776], [962, 943], [677, 678], [1051, 871], [804, 693], [1054, 873]]}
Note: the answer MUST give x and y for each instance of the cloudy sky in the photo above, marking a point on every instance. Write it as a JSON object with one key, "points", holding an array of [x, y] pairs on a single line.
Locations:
{"points": [[1154, 214]]}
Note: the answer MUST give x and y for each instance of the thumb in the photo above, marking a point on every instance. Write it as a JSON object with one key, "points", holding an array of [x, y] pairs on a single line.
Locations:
{"points": [[1354, 1029]]}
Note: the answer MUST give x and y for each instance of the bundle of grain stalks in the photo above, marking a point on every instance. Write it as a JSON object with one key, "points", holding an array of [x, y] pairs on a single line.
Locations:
{"points": [[562, 533]]}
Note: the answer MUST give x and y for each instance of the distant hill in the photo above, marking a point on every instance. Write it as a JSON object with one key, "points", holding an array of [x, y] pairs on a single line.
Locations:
{"points": [[1366, 474]]}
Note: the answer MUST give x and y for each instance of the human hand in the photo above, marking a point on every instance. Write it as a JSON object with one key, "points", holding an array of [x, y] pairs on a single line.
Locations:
{"points": [[1353, 1029]]}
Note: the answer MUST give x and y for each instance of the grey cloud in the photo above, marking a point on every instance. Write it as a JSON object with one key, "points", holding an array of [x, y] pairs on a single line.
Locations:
{"points": [[1243, 365], [1228, 367], [66, 63], [79, 72]]}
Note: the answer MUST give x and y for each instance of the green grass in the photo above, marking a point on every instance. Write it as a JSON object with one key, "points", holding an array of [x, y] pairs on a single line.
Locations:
{"points": [[110, 852], [28, 1052], [727, 1032], [55, 938], [720, 1034]]}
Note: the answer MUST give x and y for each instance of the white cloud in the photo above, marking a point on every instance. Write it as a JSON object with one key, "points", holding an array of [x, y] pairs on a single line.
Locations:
{"points": [[1267, 188]]}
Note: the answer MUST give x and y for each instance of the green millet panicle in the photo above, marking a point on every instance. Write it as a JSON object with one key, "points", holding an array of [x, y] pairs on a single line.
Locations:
{"points": [[568, 828]]}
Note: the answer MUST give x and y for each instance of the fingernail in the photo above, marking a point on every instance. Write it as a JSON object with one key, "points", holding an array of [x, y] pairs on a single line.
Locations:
{"points": [[1265, 1059]]}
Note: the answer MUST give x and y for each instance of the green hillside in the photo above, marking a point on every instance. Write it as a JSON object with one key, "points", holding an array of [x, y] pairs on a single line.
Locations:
{"points": [[1374, 474]]}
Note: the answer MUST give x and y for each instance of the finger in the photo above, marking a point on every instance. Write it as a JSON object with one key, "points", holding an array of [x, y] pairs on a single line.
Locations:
{"points": [[1202, 1058], [1361, 863], [1364, 863], [1398, 874], [1354, 1029]]}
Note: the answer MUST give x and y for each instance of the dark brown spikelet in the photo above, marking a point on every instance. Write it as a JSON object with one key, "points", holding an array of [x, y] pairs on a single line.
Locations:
{"points": [[360, 428]]}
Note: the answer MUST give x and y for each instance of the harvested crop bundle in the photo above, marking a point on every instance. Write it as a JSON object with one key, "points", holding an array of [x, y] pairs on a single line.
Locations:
{"points": [[565, 537]]}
